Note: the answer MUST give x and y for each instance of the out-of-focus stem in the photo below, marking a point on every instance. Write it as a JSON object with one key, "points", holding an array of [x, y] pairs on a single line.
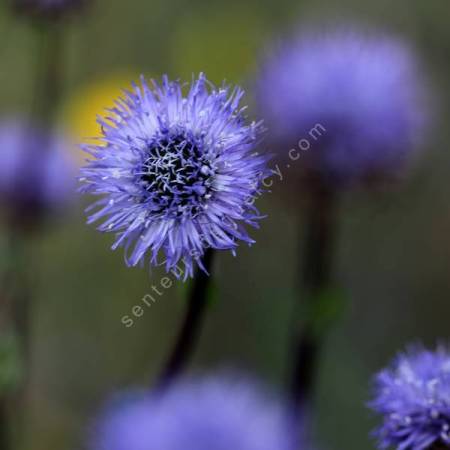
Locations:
{"points": [[16, 284], [5, 434], [49, 71], [21, 301], [14, 297], [190, 330], [4, 325], [317, 273]]}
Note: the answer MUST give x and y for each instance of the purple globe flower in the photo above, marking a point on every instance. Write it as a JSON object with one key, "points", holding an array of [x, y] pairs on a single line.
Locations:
{"points": [[206, 414], [47, 8], [176, 174], [36, 172], [352, 102], [413, 397]]}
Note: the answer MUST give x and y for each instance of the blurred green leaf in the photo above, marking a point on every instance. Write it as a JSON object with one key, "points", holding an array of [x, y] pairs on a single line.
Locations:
{"points": [[325, 309]]}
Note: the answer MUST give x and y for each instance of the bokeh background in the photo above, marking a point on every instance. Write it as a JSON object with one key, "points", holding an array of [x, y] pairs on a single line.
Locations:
{"points": [[394, 249]]}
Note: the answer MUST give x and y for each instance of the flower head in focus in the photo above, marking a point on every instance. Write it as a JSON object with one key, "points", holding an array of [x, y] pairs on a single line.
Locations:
{"points": [[413, 397], [36, 173], [176, 174], [355, 100], [207, 414]]}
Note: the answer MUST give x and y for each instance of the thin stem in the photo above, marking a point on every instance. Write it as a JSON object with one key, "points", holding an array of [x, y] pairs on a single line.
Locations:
{"points": [[49, 72], [7, 285], [5, 438], [4, 325], [317, 276], [16, 309], [22, 307], [16, 288], [438, 446], [190, 330]]}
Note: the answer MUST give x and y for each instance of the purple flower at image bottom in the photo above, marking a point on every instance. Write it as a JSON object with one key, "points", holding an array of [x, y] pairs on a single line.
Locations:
{"points": [[216, 413], [412, 396]]}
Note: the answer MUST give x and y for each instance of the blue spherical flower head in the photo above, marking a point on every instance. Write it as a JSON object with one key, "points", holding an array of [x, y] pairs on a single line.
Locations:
{"points": [[350, 104], [177, 174], [413, 397], [206, 414]]}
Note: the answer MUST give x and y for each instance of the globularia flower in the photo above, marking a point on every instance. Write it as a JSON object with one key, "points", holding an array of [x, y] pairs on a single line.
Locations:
{"points": [[350, 104], [177, 174], [206, 414], [36, 172], [413, 396]]}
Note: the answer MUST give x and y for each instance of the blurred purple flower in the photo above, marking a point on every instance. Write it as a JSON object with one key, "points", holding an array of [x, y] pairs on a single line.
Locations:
{"points": [[176, 174], [207, 414], [47, 8], [36, 172], [413, 396], [364, 91]]}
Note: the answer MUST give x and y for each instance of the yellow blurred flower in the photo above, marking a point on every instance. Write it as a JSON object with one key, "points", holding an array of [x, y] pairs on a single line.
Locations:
{"points": [[90, 101]]}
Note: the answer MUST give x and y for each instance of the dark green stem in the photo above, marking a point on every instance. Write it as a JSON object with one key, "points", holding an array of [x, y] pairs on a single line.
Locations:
{"points": [[5, 434], [439, 446], [16, 285], [14, 295], [21, 304], [4, 329], [49, 72], [190, 330], [317, 275]]}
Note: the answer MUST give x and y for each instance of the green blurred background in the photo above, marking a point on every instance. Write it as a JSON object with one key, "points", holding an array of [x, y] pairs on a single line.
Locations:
{"points": [[394, 251]]}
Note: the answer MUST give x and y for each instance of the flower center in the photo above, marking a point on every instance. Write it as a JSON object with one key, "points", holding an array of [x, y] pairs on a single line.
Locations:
{"points": [[176, 176]]}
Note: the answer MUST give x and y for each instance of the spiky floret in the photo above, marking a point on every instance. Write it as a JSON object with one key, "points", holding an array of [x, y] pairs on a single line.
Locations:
{"points": [[413, 396], [177, 174]]}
